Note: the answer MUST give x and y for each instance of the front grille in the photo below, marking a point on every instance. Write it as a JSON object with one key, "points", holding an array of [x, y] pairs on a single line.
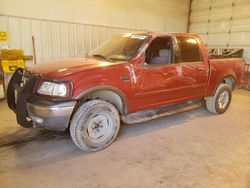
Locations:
{"points": [[26, 75]]}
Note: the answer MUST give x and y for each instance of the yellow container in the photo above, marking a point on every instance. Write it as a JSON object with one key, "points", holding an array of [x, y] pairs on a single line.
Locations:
{"points": [[9, 66], [11, 60]]}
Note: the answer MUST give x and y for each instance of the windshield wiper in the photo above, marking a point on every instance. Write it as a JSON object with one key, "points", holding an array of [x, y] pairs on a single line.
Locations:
{"points": [[102, 56]]}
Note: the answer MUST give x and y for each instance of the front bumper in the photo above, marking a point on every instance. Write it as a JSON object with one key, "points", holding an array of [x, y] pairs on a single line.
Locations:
{"points": [[51, 115], [31, 110]]}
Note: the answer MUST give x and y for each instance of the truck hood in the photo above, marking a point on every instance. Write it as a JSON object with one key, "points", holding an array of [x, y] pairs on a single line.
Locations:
{"points": [[65, 67]]}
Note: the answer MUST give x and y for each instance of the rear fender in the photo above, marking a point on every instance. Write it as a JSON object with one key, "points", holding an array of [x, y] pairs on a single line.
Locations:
{"points": [[231, 76]]}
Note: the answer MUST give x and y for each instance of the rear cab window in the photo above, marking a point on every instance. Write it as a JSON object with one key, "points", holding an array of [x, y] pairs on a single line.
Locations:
{"points": [[189, 51]]}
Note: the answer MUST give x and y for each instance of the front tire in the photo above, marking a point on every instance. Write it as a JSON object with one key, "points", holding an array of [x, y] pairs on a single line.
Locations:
{"points": [[221, 100], [95, 125]]}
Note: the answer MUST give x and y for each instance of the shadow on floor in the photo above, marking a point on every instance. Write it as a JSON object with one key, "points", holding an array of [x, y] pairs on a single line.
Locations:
{"points": [[22, 136], [35, 147]]}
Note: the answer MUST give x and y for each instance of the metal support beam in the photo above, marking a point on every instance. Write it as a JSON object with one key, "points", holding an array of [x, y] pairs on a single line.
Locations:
{"points": [[189, 15]]}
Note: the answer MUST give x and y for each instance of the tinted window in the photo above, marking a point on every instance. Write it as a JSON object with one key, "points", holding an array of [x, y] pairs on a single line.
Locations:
{"points": [[189, 49], [120, 47]]}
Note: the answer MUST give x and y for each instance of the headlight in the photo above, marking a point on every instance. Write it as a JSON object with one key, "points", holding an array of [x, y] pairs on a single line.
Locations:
{"points": [[54, 89]]}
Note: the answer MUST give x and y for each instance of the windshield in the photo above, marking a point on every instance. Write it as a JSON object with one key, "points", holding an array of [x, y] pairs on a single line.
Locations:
{"points": [[121, 47]]}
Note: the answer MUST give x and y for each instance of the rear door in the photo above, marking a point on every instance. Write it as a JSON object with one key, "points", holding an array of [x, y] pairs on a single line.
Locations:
{"points": [[193, 70]]}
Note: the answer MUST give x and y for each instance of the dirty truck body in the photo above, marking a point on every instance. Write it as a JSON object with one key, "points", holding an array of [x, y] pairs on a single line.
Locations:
{"points": [[130, 78]]}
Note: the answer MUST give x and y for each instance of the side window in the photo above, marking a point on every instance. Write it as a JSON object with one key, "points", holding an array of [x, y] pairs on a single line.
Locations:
{"points": [[159, 51], [189, 49]]}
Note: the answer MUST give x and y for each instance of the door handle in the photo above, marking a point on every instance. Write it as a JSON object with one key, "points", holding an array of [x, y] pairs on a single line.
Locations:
{"points": [[124, 78], [168, 73], [200, 69]]}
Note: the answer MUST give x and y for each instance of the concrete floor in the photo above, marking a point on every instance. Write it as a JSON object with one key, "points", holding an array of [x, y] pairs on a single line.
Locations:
{"points": [[192, 149]]}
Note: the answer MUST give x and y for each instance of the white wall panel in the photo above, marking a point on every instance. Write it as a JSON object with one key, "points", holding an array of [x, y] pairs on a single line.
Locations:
{"points": [[95, 37], [46, 34], [199, 28], [241, 38], [242, 10], [3, 23], [26, 40], [102, 34], [56, 40], [72, 40], [87, 38], [241, 1], [139, 14], [221, 3], [4, 27], [228, 26], [80, 40], [221, 13], [218, 39], [222, 26], [200, 5], [36, 28], [14, 32], [64, 28], [241, 25], [200, 16]]}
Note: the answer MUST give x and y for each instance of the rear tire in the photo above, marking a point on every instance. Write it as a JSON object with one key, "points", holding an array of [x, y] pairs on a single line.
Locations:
{"points": [[95, 125], [221, 100]]}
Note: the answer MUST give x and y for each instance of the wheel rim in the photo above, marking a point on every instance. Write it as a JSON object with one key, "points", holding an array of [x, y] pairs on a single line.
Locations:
{"points": [[223, 99], [99, 127]]}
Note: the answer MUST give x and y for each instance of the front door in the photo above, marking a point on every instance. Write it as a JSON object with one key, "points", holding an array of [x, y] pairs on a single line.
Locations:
{"points": [[160, 79]]}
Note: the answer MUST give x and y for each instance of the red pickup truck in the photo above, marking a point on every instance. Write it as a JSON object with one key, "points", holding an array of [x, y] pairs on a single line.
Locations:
{"points": [[130, 78]]}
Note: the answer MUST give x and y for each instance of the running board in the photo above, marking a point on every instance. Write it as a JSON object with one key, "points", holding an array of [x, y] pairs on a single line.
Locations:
{"points": [[154, 113]]}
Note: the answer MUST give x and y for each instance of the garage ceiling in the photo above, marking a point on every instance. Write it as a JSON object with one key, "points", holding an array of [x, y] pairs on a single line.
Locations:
{"points": [[222, 23]]}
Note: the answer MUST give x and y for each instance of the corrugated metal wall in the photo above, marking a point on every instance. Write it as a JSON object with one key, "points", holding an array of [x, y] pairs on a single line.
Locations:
{"points": [[222, 23], [55, 39]]}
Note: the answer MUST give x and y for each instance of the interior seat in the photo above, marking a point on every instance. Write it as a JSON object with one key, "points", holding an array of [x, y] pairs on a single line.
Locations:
{"points": [[163, 58]]}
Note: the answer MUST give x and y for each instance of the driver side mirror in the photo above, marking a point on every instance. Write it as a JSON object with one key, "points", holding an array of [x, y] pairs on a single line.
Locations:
{"points": [[145, 64]]}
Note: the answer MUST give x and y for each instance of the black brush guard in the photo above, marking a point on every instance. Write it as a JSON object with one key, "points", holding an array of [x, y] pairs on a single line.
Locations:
{"points": [[20, 88]]}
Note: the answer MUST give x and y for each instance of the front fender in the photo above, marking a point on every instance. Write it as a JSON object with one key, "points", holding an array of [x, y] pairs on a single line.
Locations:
{"points": [[105, 88]]}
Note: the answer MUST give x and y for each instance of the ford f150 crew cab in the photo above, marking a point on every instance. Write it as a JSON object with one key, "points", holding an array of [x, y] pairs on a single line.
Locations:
{"points": [[130, 78]]}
